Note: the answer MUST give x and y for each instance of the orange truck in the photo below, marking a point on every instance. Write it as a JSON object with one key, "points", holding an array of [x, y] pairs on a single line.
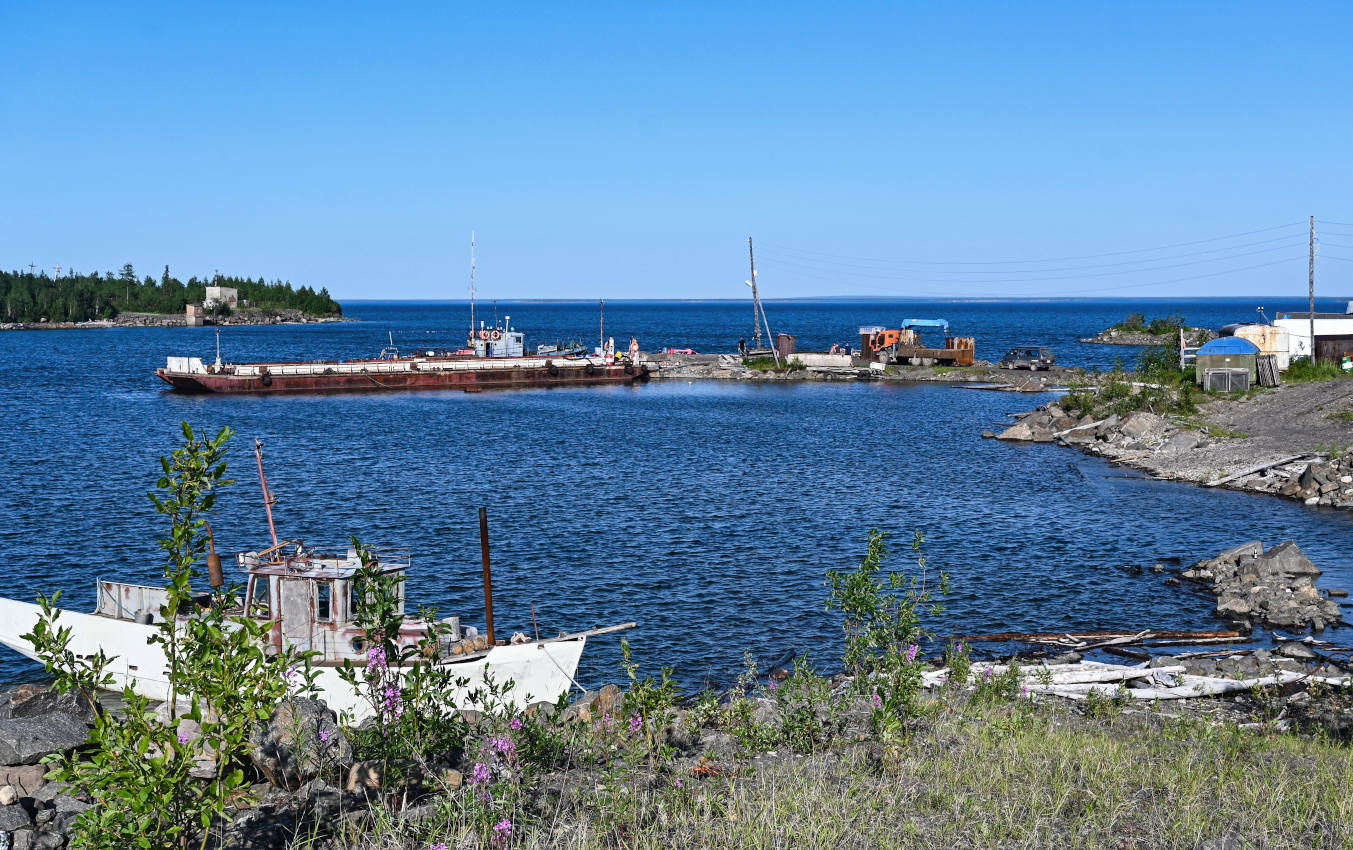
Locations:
{"points": [[904, 345]]}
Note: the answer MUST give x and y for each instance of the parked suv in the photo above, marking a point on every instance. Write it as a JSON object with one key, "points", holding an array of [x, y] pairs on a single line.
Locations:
{"points": [[1029, 357]]}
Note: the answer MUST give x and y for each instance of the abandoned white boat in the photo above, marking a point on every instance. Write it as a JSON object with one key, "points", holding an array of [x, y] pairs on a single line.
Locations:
{"points": [[309, 597]]}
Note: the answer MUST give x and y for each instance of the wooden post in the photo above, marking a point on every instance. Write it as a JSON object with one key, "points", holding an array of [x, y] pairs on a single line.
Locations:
{"points": [[488, 579]]}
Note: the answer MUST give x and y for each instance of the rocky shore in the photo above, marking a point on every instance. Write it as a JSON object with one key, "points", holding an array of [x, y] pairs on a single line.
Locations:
{"points": [[161, 320], [731, 367], [1114, 336], [1293, 441]]}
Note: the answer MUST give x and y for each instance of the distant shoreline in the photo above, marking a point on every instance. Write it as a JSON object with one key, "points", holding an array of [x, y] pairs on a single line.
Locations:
{"points": [[175, 320]]}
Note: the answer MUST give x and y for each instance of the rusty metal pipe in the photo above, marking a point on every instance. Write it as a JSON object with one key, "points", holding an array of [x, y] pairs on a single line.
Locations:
{"points": [[215, 574], [488, 579]]}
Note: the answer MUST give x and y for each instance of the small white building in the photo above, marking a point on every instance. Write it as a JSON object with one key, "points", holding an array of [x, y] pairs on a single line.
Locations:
{"points": [[1333, 334], [227, 295]]}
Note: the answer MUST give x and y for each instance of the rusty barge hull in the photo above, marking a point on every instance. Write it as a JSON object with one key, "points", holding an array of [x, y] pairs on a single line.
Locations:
{"points": [[401, 375]]}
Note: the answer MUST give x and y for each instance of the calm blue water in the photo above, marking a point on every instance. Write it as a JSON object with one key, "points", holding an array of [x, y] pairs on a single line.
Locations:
{"points": [[706, 511]]}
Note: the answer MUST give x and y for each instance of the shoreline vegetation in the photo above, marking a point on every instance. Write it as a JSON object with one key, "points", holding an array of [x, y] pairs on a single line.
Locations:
{"points": [[74, 299], [898, 749]]}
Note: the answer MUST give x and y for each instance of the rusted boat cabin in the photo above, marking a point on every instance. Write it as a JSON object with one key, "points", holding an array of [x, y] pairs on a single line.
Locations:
{"points": [[311, 598]]}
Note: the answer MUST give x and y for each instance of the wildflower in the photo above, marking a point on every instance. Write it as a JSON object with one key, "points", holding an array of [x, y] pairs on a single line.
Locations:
{"points": [[375, 658], [504, 745], [678, 783], [480, 774], [911, 653], [440, 845], [516, 724], [1024, 692], [958, 647], [636, 723], [183, 737], [986, 674], [773, 684], [501, 830], [877, 700], [325, 735]]}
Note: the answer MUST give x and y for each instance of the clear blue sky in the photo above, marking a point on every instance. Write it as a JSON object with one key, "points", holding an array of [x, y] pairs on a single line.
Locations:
{"points": [[628, 150]]}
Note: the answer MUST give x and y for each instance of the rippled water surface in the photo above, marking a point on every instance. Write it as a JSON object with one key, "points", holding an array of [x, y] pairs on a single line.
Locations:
{"points": [[706, 511]]}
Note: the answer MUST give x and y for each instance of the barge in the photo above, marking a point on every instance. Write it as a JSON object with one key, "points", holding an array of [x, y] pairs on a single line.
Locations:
{"points": [[494, 358]]}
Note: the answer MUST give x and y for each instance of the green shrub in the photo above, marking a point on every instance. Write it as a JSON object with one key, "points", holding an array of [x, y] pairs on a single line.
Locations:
{"points": [[1303, 370]]}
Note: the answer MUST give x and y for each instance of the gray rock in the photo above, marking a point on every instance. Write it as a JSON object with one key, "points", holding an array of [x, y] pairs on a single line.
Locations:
{"points": [[1287, 559], [1294, 649], [14, 817], [1020, 431], [1234, 606], [27, 779], [36, 701], [25, 740], [22, 839], [292, 749]]}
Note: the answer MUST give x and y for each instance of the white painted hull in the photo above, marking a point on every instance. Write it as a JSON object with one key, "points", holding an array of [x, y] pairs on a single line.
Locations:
{"points": [[541, 671]]}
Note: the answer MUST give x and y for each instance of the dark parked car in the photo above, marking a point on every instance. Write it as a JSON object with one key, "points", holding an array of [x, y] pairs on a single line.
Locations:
{"points": [[1031, 357]]}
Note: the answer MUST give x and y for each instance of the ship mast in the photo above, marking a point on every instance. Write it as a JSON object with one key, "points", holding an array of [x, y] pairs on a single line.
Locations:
{"points": [[268, 498], [472, 293]]}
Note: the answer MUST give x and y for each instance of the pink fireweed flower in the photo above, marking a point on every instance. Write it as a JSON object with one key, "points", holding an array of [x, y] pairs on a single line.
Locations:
{"points": [[440, 845], [678, 783], [877, 700], [183, 737], [504, 746], [987, 672], [636, 723], [375, 658], [325, 735], [480, 774], [911, 652], [516, 724], [958, 647], [501, 830], [773, 685]]}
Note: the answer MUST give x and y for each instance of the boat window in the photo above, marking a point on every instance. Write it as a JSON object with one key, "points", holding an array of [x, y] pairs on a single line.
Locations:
{"points": [[324, 591], [260, 605]]}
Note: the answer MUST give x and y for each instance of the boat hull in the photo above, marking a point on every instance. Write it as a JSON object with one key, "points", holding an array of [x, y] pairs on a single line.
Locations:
{"points": [[526, 673], [280, 379]]}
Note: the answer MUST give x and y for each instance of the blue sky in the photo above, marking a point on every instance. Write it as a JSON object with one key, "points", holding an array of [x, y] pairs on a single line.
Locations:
{"points": [[629, 150]]}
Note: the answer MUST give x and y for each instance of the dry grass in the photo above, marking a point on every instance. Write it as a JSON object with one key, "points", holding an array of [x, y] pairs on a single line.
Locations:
{"points": [[972, 777]]}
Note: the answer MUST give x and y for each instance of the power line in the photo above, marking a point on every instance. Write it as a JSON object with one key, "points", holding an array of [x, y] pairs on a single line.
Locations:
{"points": [[903, 278], [1051, 259], [1232, 248]]}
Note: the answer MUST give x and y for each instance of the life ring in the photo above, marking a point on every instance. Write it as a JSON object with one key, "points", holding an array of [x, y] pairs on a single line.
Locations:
{"points": [[552, 367], [495, 334], [484, 334]]}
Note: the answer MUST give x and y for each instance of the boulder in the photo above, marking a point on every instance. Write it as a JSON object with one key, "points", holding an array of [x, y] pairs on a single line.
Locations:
{"points": [[300, 741], [25, 740], [37, 701], [1287, 559], [1017, 432], [27, 779]]}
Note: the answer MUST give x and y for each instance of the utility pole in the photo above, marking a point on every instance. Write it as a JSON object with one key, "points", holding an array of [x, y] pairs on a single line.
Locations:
{"points": [[32, 268], [1311, 289], [756, 301]]}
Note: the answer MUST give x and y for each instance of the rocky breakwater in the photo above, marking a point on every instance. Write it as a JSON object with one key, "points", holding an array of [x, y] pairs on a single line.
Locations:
{"points": [[1173, 451], [1272, 588]]}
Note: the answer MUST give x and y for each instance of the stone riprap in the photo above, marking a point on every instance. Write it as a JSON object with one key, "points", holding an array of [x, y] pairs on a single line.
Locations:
{"points": [[1273, 588]]}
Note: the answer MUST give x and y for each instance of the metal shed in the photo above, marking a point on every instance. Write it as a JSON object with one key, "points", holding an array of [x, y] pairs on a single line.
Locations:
{"points": [[1228, 352]]}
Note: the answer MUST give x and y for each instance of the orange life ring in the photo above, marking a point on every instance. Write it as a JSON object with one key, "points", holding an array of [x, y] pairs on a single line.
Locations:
{"points": [[495, 334]]}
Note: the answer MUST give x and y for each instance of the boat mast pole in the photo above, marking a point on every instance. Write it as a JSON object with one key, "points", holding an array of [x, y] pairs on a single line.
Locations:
{"points": [[601, 328], [268, 497], [472, 293], [488, 579], [756, 301]]}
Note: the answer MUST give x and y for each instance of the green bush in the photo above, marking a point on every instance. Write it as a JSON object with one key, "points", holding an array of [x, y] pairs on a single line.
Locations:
{"points": [[1304, 369]]}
